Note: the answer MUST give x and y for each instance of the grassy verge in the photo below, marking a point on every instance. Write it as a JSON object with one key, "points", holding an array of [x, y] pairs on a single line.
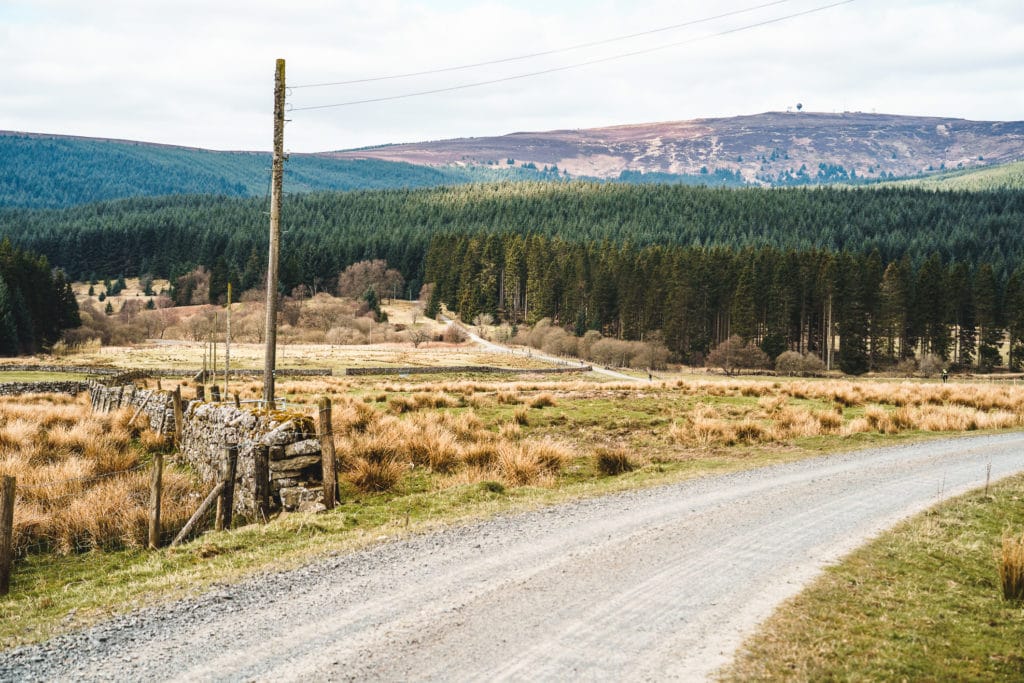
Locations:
{"points": [[922, 602]]}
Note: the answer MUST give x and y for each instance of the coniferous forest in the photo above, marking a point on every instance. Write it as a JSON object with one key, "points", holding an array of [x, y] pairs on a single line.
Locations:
{"points": [[36, 302], [886, 272]]}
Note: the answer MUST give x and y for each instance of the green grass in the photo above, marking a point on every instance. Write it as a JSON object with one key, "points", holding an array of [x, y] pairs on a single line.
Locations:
{"points": [[922, 603], [28, 376]]}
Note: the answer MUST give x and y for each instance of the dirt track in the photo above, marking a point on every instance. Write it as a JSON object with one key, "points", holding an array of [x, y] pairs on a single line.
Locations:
{"points": [[648, 585]]}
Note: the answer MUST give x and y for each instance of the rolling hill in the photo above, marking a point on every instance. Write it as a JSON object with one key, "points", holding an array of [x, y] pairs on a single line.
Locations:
{"points": [[774, 148], [770, 149], [52, 171]]}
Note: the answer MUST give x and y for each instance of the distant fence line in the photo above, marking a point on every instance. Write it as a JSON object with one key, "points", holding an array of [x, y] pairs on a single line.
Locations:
{"points": [[436, 370]]}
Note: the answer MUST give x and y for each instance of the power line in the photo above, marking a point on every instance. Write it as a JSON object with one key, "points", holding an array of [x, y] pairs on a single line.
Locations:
{"points": [[577, 65], [544, 53]]}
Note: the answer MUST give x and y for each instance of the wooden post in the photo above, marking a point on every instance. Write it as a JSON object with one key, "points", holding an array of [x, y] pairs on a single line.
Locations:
{"points": [[7, 485], [179, 416], [238, 401], [326, 433], [215, 393], [155, 492], [203, 508], [227, 497], [261, 473], [200, 392], [276, 176], [141, 408]]}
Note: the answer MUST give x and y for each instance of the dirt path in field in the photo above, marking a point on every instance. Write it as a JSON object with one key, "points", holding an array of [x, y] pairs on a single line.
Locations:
{"points": [[647, 585], [533, 353]]}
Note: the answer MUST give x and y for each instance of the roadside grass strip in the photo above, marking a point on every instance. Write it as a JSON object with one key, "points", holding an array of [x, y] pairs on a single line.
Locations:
{"points": [[923, 602]]}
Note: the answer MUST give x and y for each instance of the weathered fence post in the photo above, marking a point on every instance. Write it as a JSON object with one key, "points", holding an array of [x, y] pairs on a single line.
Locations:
{"points": [[215, 393], [200, 392], [178, 415], [198, 514], [261, 473], [326, 434], [155, 494], [227, 496], [6, 532]]}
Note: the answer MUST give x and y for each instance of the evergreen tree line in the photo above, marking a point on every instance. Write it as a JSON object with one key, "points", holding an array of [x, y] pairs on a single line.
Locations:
{"points": [[325, 233], [36, 302], [871, 312]]}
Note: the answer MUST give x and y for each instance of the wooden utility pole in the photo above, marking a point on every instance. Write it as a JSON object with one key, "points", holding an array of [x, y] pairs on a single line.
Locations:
{"points": [[276, 176], [227, 345]]}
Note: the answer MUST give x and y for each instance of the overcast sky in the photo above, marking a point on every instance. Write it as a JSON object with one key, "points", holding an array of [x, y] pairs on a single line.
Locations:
{"points": [[200, 72]]}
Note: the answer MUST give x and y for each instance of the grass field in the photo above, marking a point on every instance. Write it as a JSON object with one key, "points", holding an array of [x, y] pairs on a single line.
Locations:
{"points": [[921, 603], [422, 450]]}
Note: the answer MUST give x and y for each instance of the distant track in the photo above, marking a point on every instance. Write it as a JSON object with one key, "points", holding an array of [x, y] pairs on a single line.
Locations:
{"points": [[647, 585], [530, 353]]}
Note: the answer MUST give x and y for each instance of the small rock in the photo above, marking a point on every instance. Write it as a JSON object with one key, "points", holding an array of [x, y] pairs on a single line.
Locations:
{"points": [[313, 506]]}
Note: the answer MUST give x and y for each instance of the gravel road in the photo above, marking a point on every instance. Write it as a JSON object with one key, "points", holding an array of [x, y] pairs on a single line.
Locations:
{"points": [[647, 585]]}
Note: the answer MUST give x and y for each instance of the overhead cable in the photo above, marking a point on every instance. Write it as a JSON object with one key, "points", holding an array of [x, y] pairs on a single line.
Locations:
{"points": [[545, 53], [576, 65]]}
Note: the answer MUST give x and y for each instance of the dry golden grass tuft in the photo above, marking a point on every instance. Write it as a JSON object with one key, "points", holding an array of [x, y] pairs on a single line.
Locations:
{"points": [[521, 417], [82, 479], [544, 400], [1011, 567], [613, 461]]}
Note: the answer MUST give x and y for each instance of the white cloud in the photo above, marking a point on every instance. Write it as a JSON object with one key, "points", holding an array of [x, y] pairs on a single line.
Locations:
{"points": [[200, 73]]}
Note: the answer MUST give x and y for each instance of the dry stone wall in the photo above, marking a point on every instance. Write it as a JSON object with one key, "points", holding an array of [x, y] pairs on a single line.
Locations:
{"points": [[156, 405], [454, 369], [209, 428], [19, 388], [295, 469]]}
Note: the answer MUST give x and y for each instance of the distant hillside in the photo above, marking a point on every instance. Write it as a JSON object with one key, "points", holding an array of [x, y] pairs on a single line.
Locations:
{"points": [[772, 149], [775, 148], [1006, 176], [47, 171]]}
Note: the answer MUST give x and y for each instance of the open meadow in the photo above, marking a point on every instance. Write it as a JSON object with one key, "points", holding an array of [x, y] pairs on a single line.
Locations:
{"points": [[414, 451]]}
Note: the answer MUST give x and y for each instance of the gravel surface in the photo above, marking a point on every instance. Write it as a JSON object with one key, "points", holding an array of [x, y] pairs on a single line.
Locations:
{"points": [[647, 585]]}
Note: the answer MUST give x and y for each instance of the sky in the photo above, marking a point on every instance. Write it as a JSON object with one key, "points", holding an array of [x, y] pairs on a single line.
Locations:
{"points": [[200, 73]]}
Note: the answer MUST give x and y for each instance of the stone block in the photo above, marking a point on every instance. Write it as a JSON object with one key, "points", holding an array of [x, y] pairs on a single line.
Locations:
{"points": [[304, 447], [294, 464]]}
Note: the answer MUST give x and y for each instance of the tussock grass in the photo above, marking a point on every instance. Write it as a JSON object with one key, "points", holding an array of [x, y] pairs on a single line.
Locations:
{"points": [[544, 400], [1011, 567], [507, 398], [613, 461], [82, 483]]}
